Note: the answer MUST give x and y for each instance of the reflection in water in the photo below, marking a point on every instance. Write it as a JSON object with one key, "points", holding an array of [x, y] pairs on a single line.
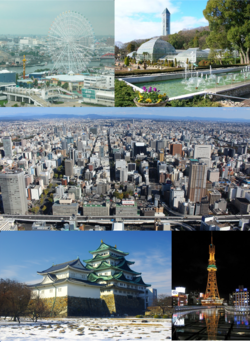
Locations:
{"points": [[212, 319], [211, 324]]}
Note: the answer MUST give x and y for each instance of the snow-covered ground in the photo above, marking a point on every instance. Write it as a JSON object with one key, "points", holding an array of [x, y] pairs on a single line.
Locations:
{"points": [[87, 329]]}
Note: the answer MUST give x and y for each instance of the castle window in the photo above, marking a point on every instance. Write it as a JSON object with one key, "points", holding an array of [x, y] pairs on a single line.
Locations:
{"points": [[59, 289], [51, 290]]}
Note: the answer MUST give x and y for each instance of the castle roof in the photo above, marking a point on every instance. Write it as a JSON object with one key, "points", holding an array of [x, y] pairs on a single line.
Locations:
{"points": [[93, 277], [66, 280], [99, 257], [76, 264], [104, 247], [104, 265]]}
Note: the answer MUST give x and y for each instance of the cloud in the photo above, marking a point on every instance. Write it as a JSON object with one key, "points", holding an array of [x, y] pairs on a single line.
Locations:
{"points": [[140, 20], [155, 267], [137, 28], [138, 7], [34, 281], [13, 271]]}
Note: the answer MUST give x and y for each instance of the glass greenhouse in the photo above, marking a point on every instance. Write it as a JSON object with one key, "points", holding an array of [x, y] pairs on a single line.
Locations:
{"points": [[155, 49]]}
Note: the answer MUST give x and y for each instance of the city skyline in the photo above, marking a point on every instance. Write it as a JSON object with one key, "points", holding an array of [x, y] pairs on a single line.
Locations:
{"points": [[22, 17], [150, 251], [231, 114]]}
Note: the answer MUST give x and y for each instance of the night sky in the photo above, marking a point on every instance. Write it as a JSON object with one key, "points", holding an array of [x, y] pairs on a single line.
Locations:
{"points": [[190, 260]]}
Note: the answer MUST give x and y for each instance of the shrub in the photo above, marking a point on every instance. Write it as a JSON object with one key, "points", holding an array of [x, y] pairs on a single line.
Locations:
{"points": [[157, 316], [139, 316]]}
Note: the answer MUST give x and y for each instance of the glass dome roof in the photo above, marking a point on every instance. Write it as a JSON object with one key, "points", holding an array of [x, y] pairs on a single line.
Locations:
{"points": [[155, 49], [194, 52]]}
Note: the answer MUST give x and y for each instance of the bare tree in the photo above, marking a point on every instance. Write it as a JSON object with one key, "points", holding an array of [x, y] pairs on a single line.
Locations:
{"points": [[164, 302], [37, 308], [14, 298]]}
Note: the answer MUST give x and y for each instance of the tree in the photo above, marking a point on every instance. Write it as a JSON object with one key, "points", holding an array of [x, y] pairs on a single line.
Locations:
{"points": [[117, 51], [14, 297], [37, 308], [59, 83], [36, 83], [164, 302], [230, 19], [126, 61], [131, 47], [44, 208], [65, 85], [47, 83]]}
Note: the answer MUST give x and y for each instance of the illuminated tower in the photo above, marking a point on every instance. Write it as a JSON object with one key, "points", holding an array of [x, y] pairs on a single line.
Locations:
{"points": [[212, 296], [24, 61]]}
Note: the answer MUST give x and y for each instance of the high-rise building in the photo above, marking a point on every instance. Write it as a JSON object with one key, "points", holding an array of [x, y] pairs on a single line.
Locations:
{"points": [[7, 146], [212, 296], [166, 22], [176, 149], [202, 151], [69, 167], [101, 152], [197, 182], [13, 192], [241, 296]]}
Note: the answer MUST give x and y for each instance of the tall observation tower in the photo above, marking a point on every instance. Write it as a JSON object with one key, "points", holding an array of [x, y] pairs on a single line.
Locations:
{"points": [[166, 22], [212, 296]]}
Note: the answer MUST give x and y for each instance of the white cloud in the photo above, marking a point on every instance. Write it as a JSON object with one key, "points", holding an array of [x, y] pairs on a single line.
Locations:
{"points": [[132, 8], [130, 21], [155, 267]]}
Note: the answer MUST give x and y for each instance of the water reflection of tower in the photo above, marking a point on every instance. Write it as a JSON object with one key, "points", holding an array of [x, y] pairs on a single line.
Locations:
{"points": [[212, 320], [212, 296]]}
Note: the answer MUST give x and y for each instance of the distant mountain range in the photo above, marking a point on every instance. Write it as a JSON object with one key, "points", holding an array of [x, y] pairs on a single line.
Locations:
{"points": [[154, 117]]}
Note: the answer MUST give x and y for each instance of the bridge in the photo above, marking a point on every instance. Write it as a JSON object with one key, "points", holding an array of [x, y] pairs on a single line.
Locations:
{"points": [[182, 221], [37, 97]]}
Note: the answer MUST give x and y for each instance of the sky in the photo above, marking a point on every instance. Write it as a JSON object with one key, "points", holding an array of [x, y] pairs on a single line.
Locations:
{"points": [[22, 254], [143, 18], [206, 112], [190, 260], [35, 17]]}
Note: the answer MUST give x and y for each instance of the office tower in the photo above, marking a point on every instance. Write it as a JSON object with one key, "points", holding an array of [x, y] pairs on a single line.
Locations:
{"points": [[93, 130], [202, 151], [161, 156], [101, 152], [7, 146], [64, 145], [197, 182], [13, 192], [69, 167], [241, 296], [72, 155], [64, 130], [176, 149], [166, 22], [139, 148]]}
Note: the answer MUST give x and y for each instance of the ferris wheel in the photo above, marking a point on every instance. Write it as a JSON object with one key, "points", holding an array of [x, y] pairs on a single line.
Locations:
{"points": [[71, 42]]}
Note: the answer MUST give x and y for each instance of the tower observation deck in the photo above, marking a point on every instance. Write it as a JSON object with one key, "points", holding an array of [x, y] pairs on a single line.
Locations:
{"points": [[212, 296]]}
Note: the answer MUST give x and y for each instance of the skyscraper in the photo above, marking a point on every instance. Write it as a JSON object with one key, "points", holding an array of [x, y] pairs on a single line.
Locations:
{"points": [[197, 181], [13, 192], [69, 167], [166, 22], [7, 146]]}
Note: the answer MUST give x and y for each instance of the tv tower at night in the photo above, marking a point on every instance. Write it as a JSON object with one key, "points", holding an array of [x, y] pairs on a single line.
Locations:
{"points": [[212, 296]]}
